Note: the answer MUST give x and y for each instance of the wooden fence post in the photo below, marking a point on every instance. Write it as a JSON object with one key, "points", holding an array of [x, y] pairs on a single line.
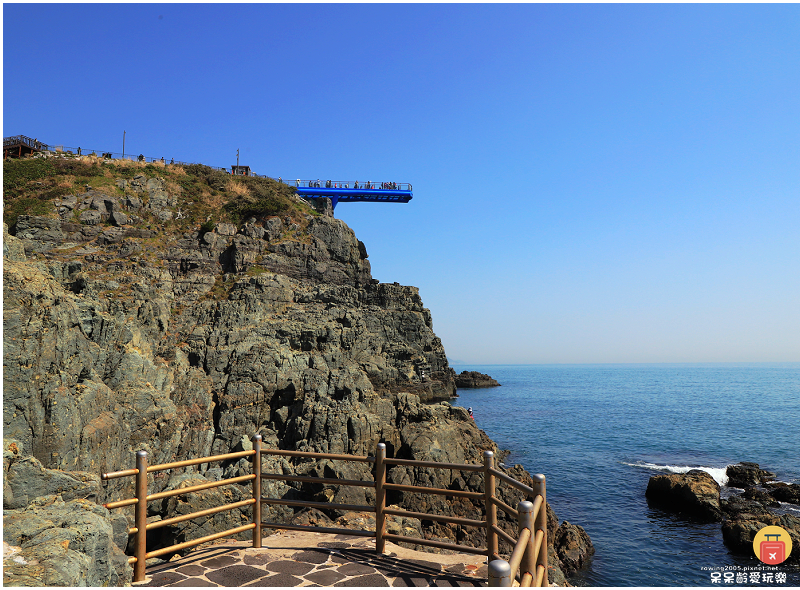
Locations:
{"points": [[541, 524], [140, 517], [380, 499], [257, 491], [491, 508], [525, 520]]}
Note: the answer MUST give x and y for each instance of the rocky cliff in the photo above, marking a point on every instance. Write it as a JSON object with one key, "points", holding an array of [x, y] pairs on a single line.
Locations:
{"points": [[126, 327]]}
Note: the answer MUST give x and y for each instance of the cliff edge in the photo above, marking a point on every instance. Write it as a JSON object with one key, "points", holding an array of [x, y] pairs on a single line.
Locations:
{"points": [[178, 310]]}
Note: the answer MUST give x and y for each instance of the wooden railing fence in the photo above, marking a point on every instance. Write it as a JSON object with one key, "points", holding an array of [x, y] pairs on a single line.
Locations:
{"points": [[527, 563]]}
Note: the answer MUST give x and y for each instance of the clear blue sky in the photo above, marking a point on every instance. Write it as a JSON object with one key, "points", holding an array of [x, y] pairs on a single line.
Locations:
{"points": [[592, 183]]}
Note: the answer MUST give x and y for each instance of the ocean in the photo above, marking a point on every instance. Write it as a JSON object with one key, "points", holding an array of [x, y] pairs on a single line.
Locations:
{"points": [[598, 432]]}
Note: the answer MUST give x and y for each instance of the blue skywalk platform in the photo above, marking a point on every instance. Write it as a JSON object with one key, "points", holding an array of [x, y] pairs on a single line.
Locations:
{"points": [[337, 194]]}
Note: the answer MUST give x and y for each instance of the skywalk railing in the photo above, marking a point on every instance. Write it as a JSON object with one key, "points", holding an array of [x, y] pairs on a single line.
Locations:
{"points": [[528, 560], [23, 139], [354, 184]]}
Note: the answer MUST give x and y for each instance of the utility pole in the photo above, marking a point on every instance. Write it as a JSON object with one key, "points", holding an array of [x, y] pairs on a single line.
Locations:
{"points": [[237, 160], [123, 145]]}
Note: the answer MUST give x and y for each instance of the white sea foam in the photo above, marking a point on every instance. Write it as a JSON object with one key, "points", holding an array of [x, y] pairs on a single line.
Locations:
{"points": [[789, 508], [718, 473]]}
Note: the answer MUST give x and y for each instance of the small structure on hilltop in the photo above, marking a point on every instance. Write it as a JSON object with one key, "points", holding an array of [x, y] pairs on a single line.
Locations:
{"points": [[18, 146], [241, 170]]}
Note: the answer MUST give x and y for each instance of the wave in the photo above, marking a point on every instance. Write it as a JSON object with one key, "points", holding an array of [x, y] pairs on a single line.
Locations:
{"points": [[789, 508], [718, 473]]}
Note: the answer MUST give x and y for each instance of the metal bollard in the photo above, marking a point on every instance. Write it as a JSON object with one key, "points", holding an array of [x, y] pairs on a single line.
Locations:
{"points": [[499, 573], [539, 484], [525, 521]]}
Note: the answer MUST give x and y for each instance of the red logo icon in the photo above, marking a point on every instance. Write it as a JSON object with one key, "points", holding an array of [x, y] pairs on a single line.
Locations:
{"points": [[773, 552], [772, 545]]}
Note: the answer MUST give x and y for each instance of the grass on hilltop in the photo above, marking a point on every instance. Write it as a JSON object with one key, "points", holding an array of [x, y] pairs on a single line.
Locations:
{"points": [[205, 195]]}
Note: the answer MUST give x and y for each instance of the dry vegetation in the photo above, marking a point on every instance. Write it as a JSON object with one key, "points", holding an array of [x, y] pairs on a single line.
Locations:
{"points": [[32, 186], [237, 187]]}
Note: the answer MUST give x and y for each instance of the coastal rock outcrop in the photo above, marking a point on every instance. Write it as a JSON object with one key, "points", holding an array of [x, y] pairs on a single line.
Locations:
{"points": [[573, 547], [744, 515], [785, 492], [25, 479], [694, 493], [54, 532], [757, 495], [738, 533], [62, 544], [474, 380], [697, 495], [130, 329], [746, 474]]}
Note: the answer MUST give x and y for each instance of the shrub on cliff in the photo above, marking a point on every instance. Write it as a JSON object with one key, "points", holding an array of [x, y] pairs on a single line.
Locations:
{"points": [[215, 179], [266, 197], [78, 168], [18, 173], [23, 188], [30, 185]]}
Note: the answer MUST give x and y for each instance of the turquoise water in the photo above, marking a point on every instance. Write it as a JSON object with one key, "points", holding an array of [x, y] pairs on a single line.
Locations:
{"points": [[608, 428]]}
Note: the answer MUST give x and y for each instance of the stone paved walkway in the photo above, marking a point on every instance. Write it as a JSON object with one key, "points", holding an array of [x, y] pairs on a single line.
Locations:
{"points": [[315, 559]]}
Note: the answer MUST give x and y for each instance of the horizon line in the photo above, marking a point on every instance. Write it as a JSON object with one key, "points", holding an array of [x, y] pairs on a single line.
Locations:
{"points": [[628, 363]]}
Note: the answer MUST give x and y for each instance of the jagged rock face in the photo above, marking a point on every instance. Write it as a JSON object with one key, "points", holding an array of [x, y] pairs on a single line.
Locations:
{"points": [[334, 364], [745, 515], [739, 532], [91, 375], [62, 544], [573, 545], [694, 493], [759, 496], [24, 478], [56, 534], [746, 474], [120, 338], [474, 380], [785, 492]]}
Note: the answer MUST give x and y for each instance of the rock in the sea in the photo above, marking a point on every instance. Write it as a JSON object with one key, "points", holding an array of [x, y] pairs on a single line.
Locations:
{"points": [[746, 474], [694, 494], [474, 380], [748, 513], [760, 496], [738, 533], [785, 492], [573, 547], [745, 506]]}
